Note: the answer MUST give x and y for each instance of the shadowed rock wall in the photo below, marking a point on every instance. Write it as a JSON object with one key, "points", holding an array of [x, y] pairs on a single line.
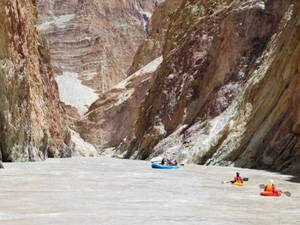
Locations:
{"points": [[32, 124]]}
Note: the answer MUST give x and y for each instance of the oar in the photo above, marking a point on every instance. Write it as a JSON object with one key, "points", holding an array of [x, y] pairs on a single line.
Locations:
{"points": [[226, 181], [287, 193]]}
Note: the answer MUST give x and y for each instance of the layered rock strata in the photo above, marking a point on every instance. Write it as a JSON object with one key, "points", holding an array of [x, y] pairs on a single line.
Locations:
{"points": [[96, 39], [226, 91], [32, 122]]}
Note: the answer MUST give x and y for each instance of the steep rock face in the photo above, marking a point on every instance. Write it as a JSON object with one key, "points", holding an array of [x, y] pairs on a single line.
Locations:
{"points": [[227, 89], [96, 39], [153, 45], [109, 119], [32, 124]]}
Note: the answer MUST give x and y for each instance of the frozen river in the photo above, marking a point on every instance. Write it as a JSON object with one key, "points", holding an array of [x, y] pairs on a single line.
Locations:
{"points": [[104, 191]]}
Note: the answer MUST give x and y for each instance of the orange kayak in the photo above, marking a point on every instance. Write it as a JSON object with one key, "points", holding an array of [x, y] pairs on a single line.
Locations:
{"points": [[270, 193]]}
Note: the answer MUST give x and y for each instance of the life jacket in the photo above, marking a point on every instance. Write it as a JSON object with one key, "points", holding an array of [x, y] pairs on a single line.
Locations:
{"points": [[270, 187], [237, 179]]}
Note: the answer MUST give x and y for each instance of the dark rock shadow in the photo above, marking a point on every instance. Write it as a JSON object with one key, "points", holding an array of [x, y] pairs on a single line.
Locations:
{"points": [[294, 179]]}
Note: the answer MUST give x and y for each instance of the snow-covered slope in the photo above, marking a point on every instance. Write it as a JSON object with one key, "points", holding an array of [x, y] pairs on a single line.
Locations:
{"points": [[73, 92]]}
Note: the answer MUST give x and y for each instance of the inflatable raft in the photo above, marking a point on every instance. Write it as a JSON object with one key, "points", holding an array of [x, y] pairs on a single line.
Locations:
{"points": [[160, 166], [270, 193]]}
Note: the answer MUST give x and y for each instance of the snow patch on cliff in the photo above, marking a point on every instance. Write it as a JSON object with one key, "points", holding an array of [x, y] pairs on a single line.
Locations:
{"points": [[73, 92], [289, 13], [258, 4], [59, 21], [124, 96], [149, 68]]}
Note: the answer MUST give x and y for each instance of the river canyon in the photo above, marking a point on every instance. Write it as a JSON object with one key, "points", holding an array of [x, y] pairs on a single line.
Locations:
{"points": [[91, 91]]}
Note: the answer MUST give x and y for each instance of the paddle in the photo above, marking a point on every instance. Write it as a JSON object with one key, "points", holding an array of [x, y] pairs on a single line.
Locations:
{"points": [[226, 182], [286, 193]]}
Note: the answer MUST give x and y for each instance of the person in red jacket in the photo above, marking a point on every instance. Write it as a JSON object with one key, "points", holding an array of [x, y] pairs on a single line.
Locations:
{"points": [[237, 178]]}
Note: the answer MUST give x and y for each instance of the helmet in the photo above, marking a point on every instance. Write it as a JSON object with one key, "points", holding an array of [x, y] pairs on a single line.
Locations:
{"points": [[237, 174], [271, 181]]}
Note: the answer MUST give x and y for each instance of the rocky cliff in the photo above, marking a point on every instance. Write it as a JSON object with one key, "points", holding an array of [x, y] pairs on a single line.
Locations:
{"points": [[227, 90], [32, 122], [110, 119], [152, 47], [93, 40]]}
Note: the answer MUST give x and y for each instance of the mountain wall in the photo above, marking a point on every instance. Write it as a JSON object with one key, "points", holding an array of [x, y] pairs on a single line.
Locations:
{"points": [[110, 119], [96, 39], [32, 122], [227, 91], [113, 115]]}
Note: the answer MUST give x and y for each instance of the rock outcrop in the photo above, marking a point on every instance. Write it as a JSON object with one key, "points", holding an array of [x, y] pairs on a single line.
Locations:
{"points": [[114, 114], [227, 90], [152, 47], [32, 122]]}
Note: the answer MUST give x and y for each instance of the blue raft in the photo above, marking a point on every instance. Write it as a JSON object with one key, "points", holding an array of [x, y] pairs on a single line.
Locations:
{"points": [[160, 166]]}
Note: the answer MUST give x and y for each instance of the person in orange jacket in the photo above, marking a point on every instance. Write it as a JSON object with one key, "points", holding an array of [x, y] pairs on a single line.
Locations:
{"points": [[271, 187], [237, 178]]}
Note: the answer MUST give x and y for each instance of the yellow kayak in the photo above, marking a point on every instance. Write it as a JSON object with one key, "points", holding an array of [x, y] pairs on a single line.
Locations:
{"points": [[238, 183]]}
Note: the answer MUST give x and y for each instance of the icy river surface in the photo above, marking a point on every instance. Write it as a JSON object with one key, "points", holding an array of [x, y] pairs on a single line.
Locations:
{"points": [[105, 191]]}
